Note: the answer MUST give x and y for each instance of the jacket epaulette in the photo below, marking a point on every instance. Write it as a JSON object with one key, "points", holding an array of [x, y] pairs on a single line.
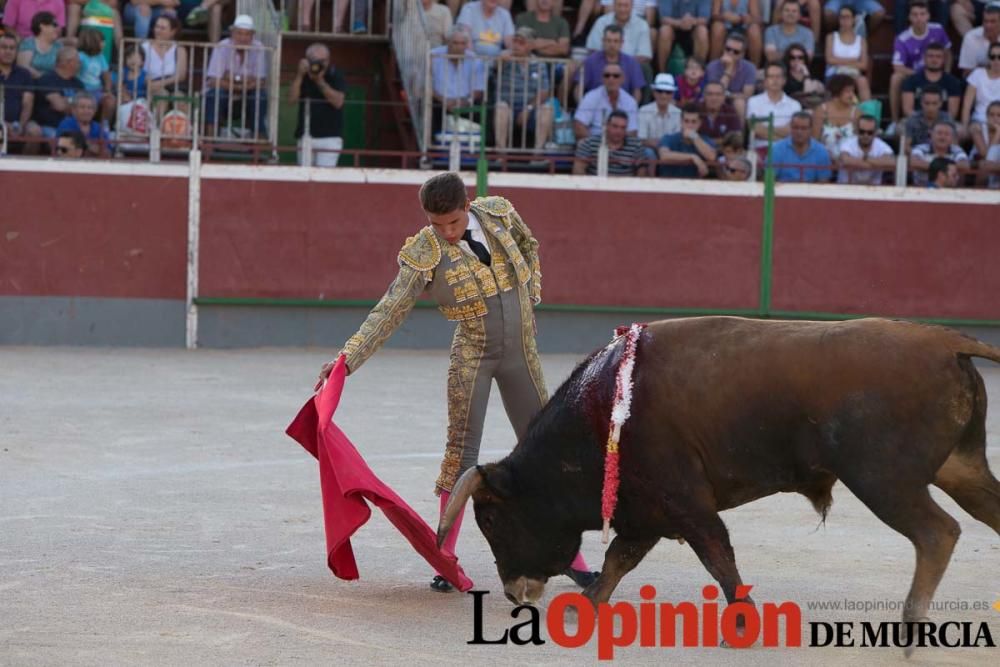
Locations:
{"points": [[421, 251], [498, 206]]}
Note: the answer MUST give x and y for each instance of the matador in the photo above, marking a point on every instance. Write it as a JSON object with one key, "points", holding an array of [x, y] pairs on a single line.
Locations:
{"points": [[479, 261]]}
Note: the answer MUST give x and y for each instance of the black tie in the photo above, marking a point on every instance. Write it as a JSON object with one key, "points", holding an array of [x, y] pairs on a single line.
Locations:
{"points": [[481, 252]]}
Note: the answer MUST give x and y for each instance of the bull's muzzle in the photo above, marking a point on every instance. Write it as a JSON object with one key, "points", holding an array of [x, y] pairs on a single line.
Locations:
{"points": [[524, 590]]}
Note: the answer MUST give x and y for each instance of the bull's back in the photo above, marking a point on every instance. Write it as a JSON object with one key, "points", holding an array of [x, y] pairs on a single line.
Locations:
{"points": [[762, 405]]}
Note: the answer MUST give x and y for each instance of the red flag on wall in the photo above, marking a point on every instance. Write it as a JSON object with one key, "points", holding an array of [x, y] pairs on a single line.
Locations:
{"points": [[346, 482]]}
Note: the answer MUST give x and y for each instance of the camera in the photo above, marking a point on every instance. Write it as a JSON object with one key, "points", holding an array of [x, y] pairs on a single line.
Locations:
{"points": [[316, 67]]}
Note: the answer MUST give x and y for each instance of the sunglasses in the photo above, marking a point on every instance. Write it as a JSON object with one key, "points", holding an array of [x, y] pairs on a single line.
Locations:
{"points": [[995, 56], [730, 49], [866, 133], [612, 75], [63, 150], [796, 56]]}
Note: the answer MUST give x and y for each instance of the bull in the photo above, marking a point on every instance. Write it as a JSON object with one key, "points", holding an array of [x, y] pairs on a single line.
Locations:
{"points": [[728, 410]]}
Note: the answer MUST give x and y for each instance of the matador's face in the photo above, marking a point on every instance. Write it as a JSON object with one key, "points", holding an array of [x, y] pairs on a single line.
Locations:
{"points": [[450, 226]]}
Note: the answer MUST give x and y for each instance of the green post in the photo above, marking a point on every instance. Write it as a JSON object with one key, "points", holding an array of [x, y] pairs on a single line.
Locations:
{"points": [[768, 238], [482, 168]]}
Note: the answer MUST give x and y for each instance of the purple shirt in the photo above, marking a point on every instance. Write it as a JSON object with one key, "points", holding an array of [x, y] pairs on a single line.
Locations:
{"points": [[245, 62], [593, 71], [745, 74], [908, 50]]}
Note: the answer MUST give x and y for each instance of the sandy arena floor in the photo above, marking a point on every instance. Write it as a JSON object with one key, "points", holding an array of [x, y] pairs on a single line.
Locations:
{"points": [[152, 511]]}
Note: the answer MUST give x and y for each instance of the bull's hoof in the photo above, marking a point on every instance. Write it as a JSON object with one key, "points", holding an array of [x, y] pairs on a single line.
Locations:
{"points": [[441, 585], [581, 578]]}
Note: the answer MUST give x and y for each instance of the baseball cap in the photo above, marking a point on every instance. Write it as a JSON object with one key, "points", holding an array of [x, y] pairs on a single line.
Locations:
{"points": [[243, 22], [525, 32]]}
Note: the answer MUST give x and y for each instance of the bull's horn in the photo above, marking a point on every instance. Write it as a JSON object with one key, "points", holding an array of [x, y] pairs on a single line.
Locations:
{"points": [[470, 480]]}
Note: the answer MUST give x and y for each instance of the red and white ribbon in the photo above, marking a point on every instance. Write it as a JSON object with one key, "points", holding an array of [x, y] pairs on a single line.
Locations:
{"points": [[621, 408]]}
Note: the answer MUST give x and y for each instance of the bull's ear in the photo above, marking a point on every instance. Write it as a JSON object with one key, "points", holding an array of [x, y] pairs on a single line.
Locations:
{"points": [[497, 479]]}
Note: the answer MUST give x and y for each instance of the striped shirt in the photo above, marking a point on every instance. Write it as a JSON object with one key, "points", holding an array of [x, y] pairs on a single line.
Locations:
{"points": [[621, 162]]}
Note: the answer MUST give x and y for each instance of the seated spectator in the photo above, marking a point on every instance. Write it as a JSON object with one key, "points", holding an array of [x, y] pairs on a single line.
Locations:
{"points": [[918, 126], [82, 119], [949, 87], [611, 52], [319, 88], [18, 15], [811, 16], [523, 91], [551, 29], [660, 117], [37, 54], [439, 22], [71, 144], [798, 157], [981, 90], [780, 36], [737, 75], [491, 26], [692, 84], [210, 12], [938, 11], [873, 9], [458, 77], [847, 52], [236, 83], [95, 72], [641, 9], [989, 162], [908, 51], [718, 116], [166, 63], [55, 91], [967, 13], [800, 85], [773, 102], [18, 96], [133, 81], [596, 105], [942, 144], [684, 22], [624, 151], [737, 169], [742, 16], [687, 153], [732, 153], [635, 32], [835, 118], [864, 158], [99, 15], [976, 42], [942, 173]]}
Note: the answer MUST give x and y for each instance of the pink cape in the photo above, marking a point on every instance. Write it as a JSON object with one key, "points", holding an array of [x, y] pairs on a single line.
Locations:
{"points": [[346, 482]]}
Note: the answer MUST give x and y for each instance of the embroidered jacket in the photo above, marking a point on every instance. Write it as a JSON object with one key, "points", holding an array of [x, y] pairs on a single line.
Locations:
{"points": [[454, 278]]}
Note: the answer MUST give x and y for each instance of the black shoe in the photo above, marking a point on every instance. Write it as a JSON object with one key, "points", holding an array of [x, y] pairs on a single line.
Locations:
{"points": [[441, 585], [582, 578]]}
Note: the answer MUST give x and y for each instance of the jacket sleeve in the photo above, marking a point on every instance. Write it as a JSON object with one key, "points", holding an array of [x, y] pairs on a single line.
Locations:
{"points": [[386, 316], [528, 246]]}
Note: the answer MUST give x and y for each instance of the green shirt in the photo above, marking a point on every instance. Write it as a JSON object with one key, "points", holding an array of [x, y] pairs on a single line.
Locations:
{"points": [[555, 28]]}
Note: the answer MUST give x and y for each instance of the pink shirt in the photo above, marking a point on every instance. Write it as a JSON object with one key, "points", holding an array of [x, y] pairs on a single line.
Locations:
{"points": [[18, 14]]}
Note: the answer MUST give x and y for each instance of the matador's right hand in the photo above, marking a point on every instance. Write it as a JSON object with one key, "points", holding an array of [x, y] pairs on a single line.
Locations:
{"points": [[324, 373]]}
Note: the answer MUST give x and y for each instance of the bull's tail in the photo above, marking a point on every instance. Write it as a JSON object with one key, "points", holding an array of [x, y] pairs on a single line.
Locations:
{"points": [[971, 347]]}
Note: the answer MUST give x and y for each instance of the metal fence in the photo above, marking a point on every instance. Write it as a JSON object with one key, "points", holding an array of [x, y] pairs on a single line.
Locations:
{"points": [[524, 102], [215, 93], [359, 18]]}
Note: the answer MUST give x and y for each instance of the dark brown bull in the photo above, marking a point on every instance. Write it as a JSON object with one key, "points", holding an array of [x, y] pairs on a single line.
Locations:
{"points": [[726, 411]]}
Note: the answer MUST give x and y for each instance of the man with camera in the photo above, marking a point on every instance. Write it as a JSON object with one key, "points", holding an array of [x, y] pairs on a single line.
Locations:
{"points": [[319, 90]]}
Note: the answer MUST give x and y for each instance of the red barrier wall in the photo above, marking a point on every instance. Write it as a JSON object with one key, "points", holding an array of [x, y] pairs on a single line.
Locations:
{"points": [[79, 235], [124, 236]]}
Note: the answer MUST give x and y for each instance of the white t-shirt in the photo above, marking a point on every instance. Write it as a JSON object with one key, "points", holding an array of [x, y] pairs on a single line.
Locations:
{"points": [[993, 155], [635, 36], [975, 48], [638, 6], [850, 146], [761, 106], [987, 90]]}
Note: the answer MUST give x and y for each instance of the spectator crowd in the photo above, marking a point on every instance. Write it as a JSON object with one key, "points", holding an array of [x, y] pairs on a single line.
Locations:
{"points": [[668, 88]]}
